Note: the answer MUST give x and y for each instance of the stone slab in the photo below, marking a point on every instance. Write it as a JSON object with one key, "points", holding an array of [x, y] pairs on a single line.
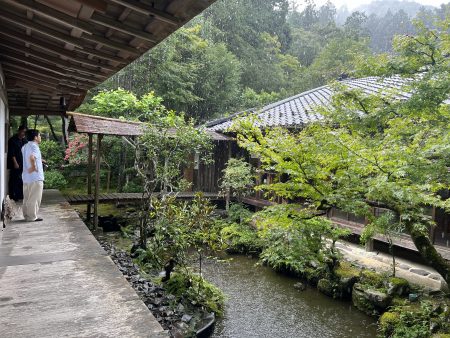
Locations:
{"points": [[57, 281]]}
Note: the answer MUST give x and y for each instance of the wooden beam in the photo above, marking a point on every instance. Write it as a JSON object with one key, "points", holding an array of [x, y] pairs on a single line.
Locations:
{"points": [[52, 14], [121, 27], [53, 61], [79, 43], [89, 176], [59, 51], [17, 81], [150, 11], [70, 21], [24, 74], [97, 179], [98, 5], [19, 111], [88, 83], [40, 85], [51, 68], [15, 19], [49, 81]]}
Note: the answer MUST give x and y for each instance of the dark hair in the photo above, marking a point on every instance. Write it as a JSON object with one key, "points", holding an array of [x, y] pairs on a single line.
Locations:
{"points": [[31, 134], [22, 128]]}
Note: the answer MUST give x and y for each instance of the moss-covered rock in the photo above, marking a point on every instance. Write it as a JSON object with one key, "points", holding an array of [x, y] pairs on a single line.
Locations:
{"points": [[369, 300], [326, 287], [397, 286], [387, 323], [346, 270], [373, 279]]}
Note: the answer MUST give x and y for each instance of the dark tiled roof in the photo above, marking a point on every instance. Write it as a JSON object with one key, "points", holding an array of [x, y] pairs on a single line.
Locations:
{"points": [[298, 110]]}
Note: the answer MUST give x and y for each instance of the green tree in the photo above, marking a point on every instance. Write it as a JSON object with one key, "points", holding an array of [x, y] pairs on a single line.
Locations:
{"points": [[161, 153], [237, 179], [375, 149]]}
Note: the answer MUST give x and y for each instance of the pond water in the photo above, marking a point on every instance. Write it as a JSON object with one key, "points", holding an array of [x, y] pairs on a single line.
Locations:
{"points": [[262, 303]]}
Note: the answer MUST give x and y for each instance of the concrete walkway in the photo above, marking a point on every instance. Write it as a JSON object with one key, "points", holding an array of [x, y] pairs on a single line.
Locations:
{"points": [[56, 281], [415, 273]]}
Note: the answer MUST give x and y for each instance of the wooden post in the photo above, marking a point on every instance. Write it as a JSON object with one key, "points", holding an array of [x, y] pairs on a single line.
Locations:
{"points": [[432, 230], [89, 177], [369, 246], [97, 179]]}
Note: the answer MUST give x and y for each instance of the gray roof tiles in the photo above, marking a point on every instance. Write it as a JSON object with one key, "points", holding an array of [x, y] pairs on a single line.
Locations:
{"points": [[299, 110]]}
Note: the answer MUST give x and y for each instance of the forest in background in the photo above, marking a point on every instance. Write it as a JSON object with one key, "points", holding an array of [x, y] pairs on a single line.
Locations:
{"points": [[241, 54]]}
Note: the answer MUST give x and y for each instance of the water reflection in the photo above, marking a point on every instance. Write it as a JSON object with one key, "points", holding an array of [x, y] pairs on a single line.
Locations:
{"points": [[261, 303]]}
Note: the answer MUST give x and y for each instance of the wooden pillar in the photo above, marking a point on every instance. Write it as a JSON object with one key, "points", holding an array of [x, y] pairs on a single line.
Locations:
{"points": [[369, 245], [432, 230], [89, 177], [97, 179]]}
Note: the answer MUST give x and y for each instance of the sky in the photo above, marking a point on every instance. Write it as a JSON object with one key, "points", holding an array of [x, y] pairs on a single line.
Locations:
{"points": [[351, 4]]}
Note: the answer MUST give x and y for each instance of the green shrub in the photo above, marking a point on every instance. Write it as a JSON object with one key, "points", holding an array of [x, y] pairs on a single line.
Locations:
{"points": [[238, 213], [133, 187], [197, 291], [53, 153], [300, 247], [415, 321], [54, 180], [241, 239]]}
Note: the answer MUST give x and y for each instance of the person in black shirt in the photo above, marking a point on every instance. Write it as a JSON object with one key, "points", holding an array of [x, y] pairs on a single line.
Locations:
{"points": [[15, 164]]}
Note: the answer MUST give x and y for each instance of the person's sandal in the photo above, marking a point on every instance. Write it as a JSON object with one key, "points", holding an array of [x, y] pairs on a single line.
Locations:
{"points": [[38, 219]]}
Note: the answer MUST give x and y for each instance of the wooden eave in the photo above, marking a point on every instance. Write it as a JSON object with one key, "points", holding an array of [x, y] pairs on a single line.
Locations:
{"points": [[90, 124], [53, 48], [99, 125]]}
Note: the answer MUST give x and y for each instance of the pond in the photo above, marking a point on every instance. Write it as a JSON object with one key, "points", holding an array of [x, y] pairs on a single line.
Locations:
{"points": [[262, 303]]}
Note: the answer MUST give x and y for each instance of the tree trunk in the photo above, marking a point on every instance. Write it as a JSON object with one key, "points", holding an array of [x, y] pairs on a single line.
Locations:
{"points": [[51, 128], [429, 252], [24, 121]]}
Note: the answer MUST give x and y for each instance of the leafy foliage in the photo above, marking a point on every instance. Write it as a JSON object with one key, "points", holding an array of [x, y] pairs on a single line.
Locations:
{"points": [[197, 291], [415, 321], [237, 178], [53, 153], [373, 147], [296, 244], [55, 180]]}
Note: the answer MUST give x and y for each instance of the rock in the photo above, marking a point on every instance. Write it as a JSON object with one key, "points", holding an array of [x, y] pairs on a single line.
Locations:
{"points": [[157, 301], [180, 308], [326, 287], [186, 318], [181, 325], [176, 333], [300, 286], [420, 272], [388, 321], [379, 299], [397, 286], [404, 266], [314, 264], [370, 301], [434, 325]]}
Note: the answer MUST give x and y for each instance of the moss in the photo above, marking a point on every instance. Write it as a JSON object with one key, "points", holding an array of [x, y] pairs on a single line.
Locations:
{"points": [[326, 287], [346, 270], [387, 323], [397, 286], [399, 301], [441, 335], [372, 278]]}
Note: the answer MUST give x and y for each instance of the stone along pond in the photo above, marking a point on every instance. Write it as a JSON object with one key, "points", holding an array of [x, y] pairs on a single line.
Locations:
{"points": [[261, 303]]}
